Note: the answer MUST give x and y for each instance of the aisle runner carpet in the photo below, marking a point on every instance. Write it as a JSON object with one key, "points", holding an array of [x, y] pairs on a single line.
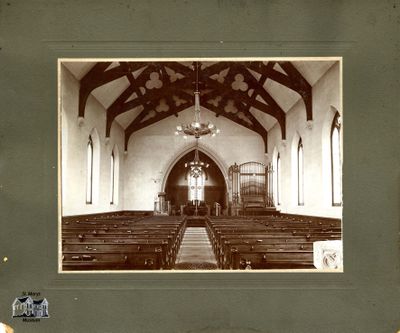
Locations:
{"points": [[196, 251]]}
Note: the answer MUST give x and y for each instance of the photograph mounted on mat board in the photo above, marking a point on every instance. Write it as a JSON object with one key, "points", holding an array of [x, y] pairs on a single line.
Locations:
{"points": [[200, 165]]}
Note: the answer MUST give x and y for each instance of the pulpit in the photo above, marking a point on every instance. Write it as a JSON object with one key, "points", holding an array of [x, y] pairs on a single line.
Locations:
{"points": [[161, 205]]}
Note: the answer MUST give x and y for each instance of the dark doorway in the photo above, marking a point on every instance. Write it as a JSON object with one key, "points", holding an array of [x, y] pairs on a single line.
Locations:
{"points": [[177, 188]]}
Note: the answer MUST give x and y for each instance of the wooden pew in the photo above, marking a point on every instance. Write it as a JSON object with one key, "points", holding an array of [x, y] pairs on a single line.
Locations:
{"points": [[111, 261], [268, 242], [126, 243], [272, 259]]}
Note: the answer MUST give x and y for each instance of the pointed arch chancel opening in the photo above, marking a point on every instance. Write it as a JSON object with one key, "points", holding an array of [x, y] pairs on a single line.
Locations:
{"points": [[182, 186]]}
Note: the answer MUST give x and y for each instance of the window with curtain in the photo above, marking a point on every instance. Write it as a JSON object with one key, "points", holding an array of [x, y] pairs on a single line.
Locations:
{"points": [[89, 171], [336, 164], [300, 173]]}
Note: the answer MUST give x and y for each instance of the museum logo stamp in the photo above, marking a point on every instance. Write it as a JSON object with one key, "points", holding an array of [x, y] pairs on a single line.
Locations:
{"points": [[31, 307]]}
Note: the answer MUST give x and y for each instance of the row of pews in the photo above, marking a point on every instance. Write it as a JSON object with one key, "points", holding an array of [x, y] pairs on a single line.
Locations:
{"points": [[135, 242], [121, 242], [268, 242]]}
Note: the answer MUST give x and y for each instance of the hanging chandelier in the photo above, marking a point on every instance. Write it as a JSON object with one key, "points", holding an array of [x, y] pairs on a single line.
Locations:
{"points": [[196, 128], [196, 172]]}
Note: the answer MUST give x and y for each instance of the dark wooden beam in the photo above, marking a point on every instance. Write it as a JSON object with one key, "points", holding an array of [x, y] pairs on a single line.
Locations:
{"points": [[221, 90], [228, 115], [98, 76], [179, 68], [120, 105], [255, 126], [138, 123], [293, 80], [88, 82], [273, 110], [258, 127], [301, 86], [279, 113], [271, 73], [115, 107], [215, 68], [156, 93]]}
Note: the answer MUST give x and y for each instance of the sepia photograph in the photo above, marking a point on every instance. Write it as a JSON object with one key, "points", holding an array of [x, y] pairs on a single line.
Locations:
{"points": [[200, 165]]}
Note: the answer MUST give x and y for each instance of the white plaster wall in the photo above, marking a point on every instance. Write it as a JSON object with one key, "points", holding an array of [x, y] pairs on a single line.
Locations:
{"points": [[151, 151], [74, 144], [316, 143]]}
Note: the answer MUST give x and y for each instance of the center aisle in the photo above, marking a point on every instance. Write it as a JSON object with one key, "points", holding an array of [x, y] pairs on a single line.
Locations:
{"points": [[195, 251]]}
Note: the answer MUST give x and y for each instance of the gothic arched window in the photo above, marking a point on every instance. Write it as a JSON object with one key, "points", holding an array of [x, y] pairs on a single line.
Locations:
{"points": [[300, 174], [336, 164], [112, 178], [196, 185], [278, 179], [89, 171]]}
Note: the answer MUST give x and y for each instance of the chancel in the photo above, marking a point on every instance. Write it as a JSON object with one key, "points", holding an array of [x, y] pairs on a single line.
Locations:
{"points": [[200, 164]]}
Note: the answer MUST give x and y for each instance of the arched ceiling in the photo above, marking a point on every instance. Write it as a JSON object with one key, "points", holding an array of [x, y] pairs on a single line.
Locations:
{"points": [[254, 94]]}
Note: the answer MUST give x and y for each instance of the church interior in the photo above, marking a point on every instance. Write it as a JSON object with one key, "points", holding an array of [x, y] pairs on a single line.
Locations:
{"points": [[200, 164]]}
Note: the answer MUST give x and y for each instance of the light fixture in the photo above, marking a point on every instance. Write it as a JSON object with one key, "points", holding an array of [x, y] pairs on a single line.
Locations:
{"points": [[196, 166], [196, 128], [196, 170]]}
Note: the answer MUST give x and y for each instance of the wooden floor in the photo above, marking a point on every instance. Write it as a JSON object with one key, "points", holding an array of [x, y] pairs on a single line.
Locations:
{"points": [[195, 251]]}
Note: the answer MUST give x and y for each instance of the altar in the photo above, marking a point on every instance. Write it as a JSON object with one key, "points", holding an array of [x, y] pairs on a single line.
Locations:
{"points": [[195, 208]]}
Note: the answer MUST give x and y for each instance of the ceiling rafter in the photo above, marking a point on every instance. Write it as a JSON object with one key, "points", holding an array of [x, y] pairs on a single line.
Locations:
{"points": [[279, 114], [259, 128], [179, 68], [137, 125], [228, 79], [253, 95], [179, 84], [132, 127], [228, 115], [215, 68], [221, 86], [115, 108], [294, 80], [120, 105], [273, 110], [301, 86], [98, 76], [256, 125], [150, 103], [138, 122]]}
